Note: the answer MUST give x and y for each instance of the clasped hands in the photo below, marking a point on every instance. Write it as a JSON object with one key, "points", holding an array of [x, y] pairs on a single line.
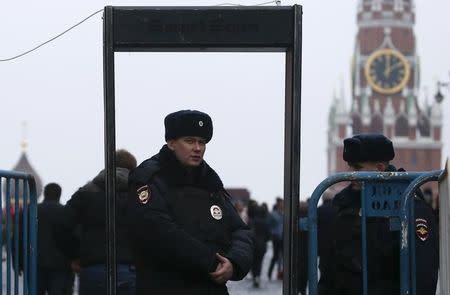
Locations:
{"points": [[224, 270]]}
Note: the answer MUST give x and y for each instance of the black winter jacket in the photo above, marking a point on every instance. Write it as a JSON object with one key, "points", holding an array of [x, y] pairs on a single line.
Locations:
{"points": [[175, 233], [85, 214], [49, 255]]}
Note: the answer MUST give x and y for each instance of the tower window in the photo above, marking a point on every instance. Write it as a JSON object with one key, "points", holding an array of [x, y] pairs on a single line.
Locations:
{"points": [[414, 158], [377, 124], [357, 124], [424, 126], [401, 126]]}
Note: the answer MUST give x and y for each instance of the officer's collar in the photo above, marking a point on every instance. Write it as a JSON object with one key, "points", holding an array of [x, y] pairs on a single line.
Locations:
{"points": [[347, 198], [203, 176], [392, 168]]}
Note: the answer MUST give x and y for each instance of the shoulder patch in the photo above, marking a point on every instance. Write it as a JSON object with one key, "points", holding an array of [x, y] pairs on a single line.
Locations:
{"points": [[143, 194], [422, 230], [144, 172]]}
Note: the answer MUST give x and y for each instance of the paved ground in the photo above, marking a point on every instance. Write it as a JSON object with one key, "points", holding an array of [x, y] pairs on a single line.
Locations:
{"points": [[244, 287]]}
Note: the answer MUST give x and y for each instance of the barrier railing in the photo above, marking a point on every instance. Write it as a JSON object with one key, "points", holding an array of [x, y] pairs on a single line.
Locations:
{"points": [[18, 228]]}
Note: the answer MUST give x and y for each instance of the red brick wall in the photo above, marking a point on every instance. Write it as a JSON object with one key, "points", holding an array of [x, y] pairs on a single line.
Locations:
{"points": [[417, 159]]}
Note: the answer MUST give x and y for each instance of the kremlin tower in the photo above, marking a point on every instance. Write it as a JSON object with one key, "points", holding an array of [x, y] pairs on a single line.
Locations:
{"points": [[385, 90]]}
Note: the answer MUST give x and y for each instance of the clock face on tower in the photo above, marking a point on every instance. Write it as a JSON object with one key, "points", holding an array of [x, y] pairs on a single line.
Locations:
{"points": [[387, 71]]}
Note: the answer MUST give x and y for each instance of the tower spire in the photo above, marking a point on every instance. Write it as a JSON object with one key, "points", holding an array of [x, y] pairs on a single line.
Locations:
{"points": [[24, 141]]}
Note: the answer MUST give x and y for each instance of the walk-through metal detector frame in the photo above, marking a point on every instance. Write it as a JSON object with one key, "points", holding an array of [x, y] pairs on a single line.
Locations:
{"points": [[206, 29]]}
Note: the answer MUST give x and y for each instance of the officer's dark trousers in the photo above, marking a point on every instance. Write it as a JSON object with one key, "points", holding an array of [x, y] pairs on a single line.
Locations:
{"points": [[353, 286], [93, 280]]}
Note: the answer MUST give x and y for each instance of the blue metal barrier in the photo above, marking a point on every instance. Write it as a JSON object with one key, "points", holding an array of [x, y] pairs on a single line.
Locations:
{"points": [[384, 194], [408, 242], [18, 228]]}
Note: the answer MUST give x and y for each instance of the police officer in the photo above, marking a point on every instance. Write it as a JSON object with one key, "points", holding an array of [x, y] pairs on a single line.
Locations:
{"points": [[188, 238], [373, 152]]}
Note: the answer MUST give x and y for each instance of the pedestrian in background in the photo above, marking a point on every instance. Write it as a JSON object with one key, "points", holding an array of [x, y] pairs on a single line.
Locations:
{"points": [[54, 274], [85, 212], [276, 231], [303, 251], [261, 232]]}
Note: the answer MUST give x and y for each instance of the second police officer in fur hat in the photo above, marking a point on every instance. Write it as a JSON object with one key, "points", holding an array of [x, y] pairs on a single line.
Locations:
{"points": [[373, 152], [188, 238]]}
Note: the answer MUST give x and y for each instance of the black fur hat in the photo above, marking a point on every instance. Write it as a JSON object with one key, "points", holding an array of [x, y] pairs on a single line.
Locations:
{"points": [[188, 123], [368, 148]]}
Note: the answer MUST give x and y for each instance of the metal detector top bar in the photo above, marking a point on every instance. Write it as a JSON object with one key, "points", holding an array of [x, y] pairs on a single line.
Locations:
{"points": [[202, 28]]}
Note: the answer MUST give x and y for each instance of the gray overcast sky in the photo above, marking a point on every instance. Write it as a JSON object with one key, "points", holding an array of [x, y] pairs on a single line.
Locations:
{"points": [[58, 90]]}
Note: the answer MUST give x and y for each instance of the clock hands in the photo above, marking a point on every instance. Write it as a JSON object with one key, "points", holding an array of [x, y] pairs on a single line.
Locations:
{"points": [[396, 65], [389, 68], [387, 71]]}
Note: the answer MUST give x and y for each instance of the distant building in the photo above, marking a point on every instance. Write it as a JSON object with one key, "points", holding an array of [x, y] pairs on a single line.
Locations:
{"points": [[241, 194], [23, 165], [385, 90]]}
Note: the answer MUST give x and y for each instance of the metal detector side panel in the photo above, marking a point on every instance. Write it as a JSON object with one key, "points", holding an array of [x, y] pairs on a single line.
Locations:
{"points": [[159, 28], [383, 198]]}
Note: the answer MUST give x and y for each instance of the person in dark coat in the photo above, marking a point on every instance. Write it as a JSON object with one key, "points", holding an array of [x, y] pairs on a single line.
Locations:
{"points": [[188, 237], [258, 223], [54, 275], [373, 152], [276, 230], [85, 213], [302, 266]]}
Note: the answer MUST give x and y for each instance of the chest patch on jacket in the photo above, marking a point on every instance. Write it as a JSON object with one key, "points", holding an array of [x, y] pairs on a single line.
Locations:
{"points": [[216, 212], [143, 194], [422, 229]]}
